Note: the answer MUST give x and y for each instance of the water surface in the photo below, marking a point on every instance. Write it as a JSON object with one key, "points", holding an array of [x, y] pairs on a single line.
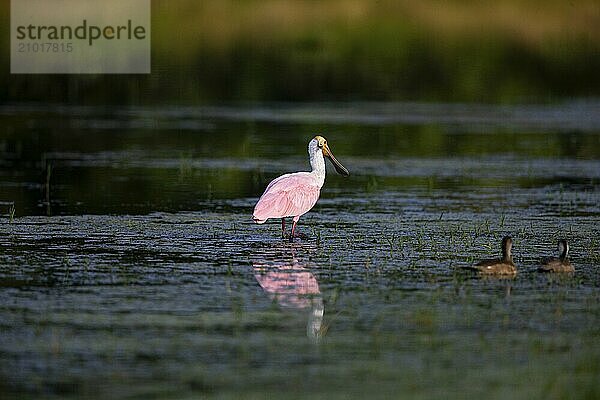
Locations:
{"points": [[130, 268]]}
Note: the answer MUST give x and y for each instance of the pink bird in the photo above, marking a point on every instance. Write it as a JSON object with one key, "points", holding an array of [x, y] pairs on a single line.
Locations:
{"points": [[293, 195]]}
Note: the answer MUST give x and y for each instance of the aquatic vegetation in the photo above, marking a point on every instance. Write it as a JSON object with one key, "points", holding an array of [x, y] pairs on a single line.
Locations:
{"points": [[11, 213]]}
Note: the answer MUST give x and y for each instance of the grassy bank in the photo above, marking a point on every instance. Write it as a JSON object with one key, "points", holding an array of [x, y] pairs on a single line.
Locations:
{"points": [[511, 51]]}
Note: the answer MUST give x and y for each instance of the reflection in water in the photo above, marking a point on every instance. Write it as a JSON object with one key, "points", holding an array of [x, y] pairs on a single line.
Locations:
{"points": [[287, 281]]}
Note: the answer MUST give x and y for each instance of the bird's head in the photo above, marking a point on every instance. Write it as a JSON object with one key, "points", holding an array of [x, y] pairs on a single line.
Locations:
{"points": [[321, 143]]}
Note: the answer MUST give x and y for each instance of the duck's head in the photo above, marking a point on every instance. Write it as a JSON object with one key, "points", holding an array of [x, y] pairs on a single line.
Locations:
{"points": [[563, 249], [321, 143]]}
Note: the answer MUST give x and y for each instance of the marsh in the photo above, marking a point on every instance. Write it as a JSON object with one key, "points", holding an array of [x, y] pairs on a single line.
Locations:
{"points": [[130, 265]]}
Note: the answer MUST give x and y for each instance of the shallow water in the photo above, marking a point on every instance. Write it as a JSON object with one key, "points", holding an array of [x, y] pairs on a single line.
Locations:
{"points": [[129, 265]]}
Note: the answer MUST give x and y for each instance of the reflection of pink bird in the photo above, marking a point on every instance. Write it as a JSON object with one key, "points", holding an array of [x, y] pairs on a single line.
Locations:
{"points": [[292, 285], [293, 195]]}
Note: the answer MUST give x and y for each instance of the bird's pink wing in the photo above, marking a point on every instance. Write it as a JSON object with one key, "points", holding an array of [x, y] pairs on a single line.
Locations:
{"points": [[287, 196]]}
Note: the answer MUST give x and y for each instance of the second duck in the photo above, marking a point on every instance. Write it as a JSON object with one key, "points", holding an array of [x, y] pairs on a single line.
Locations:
{"points": [[498, 266]]}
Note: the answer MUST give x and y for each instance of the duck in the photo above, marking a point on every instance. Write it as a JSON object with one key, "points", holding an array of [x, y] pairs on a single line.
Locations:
{"points": [[498, 266], [560, 264]]}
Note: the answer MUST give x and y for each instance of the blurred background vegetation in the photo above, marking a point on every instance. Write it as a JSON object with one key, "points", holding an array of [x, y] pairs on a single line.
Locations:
{"points": [[510, 51]]}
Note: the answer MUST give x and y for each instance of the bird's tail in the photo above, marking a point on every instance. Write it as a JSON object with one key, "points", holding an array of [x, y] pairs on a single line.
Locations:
{"points": [[258, 221], [261, 214]]}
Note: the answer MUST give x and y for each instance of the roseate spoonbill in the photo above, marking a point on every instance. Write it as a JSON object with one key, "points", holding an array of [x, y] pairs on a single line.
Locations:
{"points": [[498, 266], [293, 195], [560, 264]]}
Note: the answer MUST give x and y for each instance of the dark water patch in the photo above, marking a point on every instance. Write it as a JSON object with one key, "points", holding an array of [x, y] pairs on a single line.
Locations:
{"points": [[50, 166], [565, 117]]}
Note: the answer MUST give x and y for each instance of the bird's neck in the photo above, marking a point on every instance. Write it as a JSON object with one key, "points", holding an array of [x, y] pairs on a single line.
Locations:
{"points": [[506, 254], [317, 162], [563, 252]]}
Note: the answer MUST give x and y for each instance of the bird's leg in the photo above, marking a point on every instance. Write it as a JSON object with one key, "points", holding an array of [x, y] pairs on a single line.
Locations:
{"points": [[294, 228], [283, 228]]}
